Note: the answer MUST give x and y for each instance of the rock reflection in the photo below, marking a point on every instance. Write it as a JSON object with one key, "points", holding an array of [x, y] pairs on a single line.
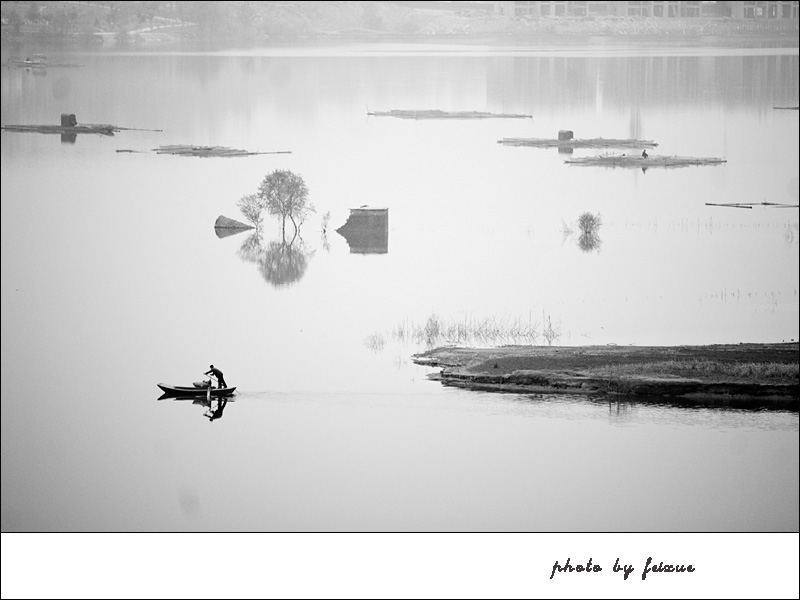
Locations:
{"points": [[226, 227], [280, 263]]}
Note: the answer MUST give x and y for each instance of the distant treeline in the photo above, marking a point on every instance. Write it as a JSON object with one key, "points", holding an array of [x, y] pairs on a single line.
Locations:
{"points": [[257, 21]]}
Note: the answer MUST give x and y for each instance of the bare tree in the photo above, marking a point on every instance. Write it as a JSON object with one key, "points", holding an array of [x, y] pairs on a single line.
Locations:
{"points": [[252, 207], [285, 194]]}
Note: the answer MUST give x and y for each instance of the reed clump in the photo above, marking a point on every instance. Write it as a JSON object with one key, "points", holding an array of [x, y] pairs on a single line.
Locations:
{"points": [[375, 342], [485, 331]]}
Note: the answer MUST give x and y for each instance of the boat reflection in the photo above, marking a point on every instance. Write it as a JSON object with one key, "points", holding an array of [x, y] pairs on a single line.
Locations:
{"points": [[214, 407]]}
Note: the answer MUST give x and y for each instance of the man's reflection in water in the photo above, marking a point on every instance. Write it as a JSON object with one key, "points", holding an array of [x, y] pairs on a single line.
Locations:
{"points": [[216, 406]]}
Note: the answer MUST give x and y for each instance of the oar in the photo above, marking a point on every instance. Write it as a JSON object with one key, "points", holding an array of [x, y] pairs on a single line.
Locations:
{"points": [[213, 380]]}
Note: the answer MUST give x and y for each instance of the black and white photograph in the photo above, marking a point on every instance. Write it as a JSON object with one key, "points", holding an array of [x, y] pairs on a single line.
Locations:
{"points": [[504, 279]]}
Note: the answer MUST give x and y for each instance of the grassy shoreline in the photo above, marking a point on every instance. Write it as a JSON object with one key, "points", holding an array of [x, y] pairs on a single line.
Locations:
{"points": [[761, 376]]}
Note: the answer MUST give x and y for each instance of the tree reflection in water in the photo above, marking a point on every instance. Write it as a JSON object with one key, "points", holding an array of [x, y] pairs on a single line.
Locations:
{"points": [[251, 248], [589, 226], [281, 263], [589, 240]]}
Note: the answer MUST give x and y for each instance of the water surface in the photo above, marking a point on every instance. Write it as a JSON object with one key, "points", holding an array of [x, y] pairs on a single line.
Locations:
{"points": [[113, 280]]}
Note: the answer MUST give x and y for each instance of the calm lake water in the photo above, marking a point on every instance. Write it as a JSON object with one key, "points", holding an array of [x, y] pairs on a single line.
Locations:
{"points": [[113, 280]]}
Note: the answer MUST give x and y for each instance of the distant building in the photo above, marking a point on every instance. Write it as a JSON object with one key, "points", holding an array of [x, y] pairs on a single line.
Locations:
{"points": [[367, 230], [763, 9], [451, 6]]}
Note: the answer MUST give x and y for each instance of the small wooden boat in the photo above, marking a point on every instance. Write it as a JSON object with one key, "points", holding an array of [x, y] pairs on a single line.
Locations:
{"points": [[194, 390]]}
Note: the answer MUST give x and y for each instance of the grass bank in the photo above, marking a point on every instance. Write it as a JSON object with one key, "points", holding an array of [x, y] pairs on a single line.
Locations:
{"points": [[762, 376]]}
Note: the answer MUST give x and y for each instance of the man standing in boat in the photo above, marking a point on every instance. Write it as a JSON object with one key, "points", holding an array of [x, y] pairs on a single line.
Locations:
{"points": [[218, 374], [644, 153]]}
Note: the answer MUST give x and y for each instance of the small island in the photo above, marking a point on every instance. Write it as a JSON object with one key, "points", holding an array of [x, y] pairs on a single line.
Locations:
{"points": [[754, 376]]}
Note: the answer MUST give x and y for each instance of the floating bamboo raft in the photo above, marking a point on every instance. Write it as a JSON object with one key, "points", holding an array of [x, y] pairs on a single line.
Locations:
{"points": [[752, 204], [72, 129], [786, 107], [185, 150], [39, 61], [636, 162], [38, 65], [441, 114], [574, 143]]}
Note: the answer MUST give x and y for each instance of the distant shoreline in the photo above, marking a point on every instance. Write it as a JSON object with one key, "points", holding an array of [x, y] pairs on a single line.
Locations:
{"points": [[415, 26], [164, 41]]}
